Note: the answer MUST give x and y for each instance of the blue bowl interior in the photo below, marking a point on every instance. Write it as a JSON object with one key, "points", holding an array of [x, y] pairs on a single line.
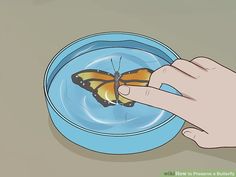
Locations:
{"points": [[79, 107]]}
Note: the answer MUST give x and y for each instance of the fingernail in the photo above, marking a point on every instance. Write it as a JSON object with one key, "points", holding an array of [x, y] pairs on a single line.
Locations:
{"points": [[187, 133], [124, 90]]}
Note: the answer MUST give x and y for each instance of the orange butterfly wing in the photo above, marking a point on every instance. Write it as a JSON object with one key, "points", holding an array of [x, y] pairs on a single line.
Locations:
{"points": [[100, 83], [105, 94], [137, 77]]}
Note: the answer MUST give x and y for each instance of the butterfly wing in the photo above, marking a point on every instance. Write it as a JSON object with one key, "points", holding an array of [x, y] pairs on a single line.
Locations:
{"points": [[105, 94], [100, 83], [137, 77]]}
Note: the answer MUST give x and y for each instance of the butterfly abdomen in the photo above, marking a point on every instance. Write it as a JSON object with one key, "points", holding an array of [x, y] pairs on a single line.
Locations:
{"points": [[116, 85]]}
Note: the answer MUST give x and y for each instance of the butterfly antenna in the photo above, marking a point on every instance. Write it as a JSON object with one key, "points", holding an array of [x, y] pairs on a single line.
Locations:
{"points": [[113, 64], [119, 63]]}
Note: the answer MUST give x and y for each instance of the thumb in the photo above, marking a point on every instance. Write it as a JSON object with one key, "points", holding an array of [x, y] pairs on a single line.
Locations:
{"points": [[155, 97], [200, 137]]}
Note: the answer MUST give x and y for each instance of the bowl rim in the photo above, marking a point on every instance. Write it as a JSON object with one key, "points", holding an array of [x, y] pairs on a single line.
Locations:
{"points": [[48, 100]]}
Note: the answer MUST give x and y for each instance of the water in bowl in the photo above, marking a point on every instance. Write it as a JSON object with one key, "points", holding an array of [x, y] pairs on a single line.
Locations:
{"points": [[80, 107]]}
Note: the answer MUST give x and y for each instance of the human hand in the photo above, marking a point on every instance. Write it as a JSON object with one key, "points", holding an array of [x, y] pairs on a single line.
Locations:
{"points": [[208, 99]]}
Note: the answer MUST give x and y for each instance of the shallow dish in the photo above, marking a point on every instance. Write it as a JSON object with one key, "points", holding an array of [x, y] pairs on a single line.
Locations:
{"points": [[115, 129]]}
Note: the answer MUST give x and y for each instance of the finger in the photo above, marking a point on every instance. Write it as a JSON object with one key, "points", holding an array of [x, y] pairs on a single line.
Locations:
{"points": [[188, 67], [205, 63], [171, 76], [155, 97], [198, 136]]}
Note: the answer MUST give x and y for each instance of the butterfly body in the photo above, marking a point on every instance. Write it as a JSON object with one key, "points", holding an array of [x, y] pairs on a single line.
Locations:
{"points": [[104, 85], [116, 83]]}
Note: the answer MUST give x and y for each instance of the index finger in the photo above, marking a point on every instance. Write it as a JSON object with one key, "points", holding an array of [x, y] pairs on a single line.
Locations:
{"points": [[175, 104]]}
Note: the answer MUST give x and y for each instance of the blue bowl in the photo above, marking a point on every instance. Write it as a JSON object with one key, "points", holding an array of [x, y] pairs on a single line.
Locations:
{"points": [[115, 129]]}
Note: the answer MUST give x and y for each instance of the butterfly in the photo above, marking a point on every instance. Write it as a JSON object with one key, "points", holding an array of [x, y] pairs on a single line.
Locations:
{"points": [[104, 85]]}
